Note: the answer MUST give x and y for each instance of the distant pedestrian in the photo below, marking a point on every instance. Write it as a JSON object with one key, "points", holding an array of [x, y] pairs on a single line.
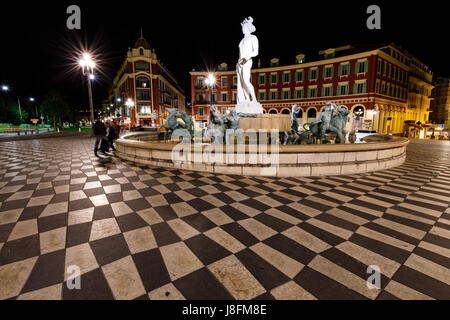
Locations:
{"points": [[99, 129]]}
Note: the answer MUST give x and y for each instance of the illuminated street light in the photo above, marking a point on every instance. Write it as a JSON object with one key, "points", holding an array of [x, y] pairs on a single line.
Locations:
{"points": [[5, 88], [129, 103], [87, 63], [31, 99], [210, 82]]}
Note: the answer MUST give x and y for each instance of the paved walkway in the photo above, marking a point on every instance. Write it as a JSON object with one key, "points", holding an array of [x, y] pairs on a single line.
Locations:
{"points": [[140, 232]]}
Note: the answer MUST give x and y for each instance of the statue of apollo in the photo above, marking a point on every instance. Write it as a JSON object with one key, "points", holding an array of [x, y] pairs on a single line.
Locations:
{"points": [[248, 49]]}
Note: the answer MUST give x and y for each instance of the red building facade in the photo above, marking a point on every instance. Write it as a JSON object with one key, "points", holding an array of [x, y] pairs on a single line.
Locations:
{"points": [[148, 85], [373, 84]]}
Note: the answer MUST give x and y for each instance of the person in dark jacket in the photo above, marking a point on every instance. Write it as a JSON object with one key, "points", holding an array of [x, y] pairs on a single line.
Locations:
{"points": [[112, 135], [99, 129]]}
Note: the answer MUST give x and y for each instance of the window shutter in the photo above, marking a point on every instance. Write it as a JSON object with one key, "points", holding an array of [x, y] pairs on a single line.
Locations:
{"points": [[366, 66], [355, 88], [357, 67], [332, 71], [365, 87], [309, 74]]}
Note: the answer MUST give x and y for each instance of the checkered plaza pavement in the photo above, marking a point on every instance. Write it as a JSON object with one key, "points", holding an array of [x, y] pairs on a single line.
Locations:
{"points": [[138, 232]]}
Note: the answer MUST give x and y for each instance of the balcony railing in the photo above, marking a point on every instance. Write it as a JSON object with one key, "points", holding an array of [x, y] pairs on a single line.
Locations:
{"points": [[202, 102], [199, 87]]}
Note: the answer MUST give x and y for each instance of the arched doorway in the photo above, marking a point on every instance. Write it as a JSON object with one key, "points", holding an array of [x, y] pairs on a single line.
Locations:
{"points": [[273, 111], [285, 111], [312, 114]]}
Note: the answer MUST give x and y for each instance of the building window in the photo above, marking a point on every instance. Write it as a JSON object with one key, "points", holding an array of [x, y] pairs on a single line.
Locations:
{"points": [[362, 67], [142, 66], [299, 75], [201, 112], [377, 87], [313, 92], [344, 69], [274, 78], [287, 77], [201, 98], [142, 82], [224, 96], [143, 95], [262, 79], [360, 88], [273, 95], [342, 90], [224, 110], [299, 93], [313, 74], [144, 108], [379, 66], [224, 82], [200, 82], [327, 91], [235, 81], [213, 98], [141, 51], [286, 94], [262, 95], [328, 72], [234, 97]]}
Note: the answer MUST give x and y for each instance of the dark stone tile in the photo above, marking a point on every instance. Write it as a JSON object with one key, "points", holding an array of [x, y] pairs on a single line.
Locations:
{"points": [[110, 249], [103, 212], [20, 249], [138, 204], [78, 234], [93, 287], [164, 235], [130, 222], [324, 288], [382, 248], [5, 230], [272, 222], [94, 192], [166, 213], [53, 222], [199, 222], [16, 204], [152, 269], [210, 288], [238, 232], [255, 204], [233, 213], [80, 204], [422, 283], [200, 205], [31, 212], [269, 276], [48, 271], [114, 197], [207, 250], [62, 197], [321, 234], [290, 248]]}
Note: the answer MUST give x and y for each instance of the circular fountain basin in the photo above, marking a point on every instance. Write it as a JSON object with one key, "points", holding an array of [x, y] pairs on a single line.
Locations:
{"points": [[373, 153]]}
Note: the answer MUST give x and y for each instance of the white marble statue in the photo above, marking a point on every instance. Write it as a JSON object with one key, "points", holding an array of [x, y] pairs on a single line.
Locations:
{"points": [[248, 49]]}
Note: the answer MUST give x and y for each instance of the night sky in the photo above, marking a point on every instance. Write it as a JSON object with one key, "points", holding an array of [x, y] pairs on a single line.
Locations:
{"points": [[37, 50]]}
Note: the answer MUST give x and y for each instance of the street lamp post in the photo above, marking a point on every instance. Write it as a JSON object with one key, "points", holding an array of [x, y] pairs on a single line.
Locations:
{"points": [[210, 82], [87, 64], [129, 104]]}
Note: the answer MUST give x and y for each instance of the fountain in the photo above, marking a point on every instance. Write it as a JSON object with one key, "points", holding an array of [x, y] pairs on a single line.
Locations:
{"points": [[248, 142]]}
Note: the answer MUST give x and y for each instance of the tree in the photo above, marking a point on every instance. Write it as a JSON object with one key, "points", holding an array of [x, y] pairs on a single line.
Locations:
{"points": [[55, 107], [9, 112]]}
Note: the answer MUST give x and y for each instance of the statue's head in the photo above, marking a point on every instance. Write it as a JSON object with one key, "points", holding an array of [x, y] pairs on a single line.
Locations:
{"points": [[247, 26]]}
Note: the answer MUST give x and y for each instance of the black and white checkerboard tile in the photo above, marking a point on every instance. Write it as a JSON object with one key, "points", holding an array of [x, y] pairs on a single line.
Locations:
{"points": [[151, 233]]}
